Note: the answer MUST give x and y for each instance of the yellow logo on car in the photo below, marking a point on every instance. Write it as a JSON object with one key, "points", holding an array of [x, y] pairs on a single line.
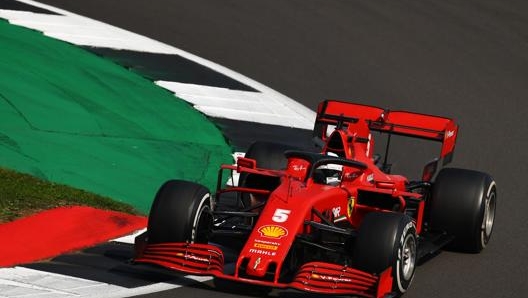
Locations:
{"points": [[265, 246], [272, 231], [350, 206]]}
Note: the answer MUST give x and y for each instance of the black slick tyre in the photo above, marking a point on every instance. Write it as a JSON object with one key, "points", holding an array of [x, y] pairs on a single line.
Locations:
{"points": [[181, 212], [268, 155], [387, 239], [463, 204]]}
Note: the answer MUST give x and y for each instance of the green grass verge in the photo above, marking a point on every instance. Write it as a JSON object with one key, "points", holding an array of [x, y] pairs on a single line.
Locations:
{"points": [[22, 195]]}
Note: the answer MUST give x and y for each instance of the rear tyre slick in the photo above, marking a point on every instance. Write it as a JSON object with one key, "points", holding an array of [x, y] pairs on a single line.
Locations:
{"points": [[463, 205], [387, 240], [270, 156], [181, 212]]}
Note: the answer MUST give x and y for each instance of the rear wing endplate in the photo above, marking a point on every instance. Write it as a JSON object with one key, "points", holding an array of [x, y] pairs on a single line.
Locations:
{"points": [[436, 128]]}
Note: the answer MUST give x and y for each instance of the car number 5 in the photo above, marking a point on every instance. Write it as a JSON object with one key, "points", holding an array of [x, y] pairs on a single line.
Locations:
{"points": [[281, 215]]}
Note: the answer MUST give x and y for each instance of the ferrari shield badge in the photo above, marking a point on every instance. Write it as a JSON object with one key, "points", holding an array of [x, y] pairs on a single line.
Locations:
{"points": [[350, 205]]}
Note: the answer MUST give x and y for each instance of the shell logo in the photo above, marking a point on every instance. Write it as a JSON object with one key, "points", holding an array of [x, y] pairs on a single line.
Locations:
{"points": [[272, 231]]}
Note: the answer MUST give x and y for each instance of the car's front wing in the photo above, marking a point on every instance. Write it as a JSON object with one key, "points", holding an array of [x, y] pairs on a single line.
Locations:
{"points": [[316, 277]]}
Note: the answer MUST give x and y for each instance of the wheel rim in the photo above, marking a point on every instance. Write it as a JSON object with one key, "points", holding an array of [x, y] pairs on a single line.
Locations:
{"points": [[408, 257], [489, 217]]}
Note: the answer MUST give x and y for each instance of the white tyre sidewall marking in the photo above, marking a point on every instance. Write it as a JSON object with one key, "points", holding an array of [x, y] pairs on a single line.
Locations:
{"points": [[198, 213], [399, 260]]}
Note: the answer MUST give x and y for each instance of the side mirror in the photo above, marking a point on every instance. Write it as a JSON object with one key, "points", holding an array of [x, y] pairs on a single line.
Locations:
{"points": [[246, 163]]}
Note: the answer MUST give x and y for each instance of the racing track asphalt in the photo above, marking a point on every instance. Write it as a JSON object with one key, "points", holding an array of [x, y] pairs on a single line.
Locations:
{"points": [[464, 59]]}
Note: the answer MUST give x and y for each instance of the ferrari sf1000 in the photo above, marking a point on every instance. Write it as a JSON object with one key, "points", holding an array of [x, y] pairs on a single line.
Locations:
{"points": [[336, 221]]}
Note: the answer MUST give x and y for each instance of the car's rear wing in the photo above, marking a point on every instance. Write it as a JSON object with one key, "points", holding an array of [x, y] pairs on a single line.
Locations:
{"points": [[441, 129]]}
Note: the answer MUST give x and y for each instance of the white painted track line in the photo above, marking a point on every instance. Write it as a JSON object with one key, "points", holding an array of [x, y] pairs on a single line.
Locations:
{"points": [[24, 282], [216, 102]]}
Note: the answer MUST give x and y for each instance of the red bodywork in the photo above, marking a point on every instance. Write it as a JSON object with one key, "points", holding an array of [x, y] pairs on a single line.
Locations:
{"points": [[296, 206]]}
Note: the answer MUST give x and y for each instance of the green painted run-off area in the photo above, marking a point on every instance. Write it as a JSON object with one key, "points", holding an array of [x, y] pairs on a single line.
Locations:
{"points": [[70, 117]]}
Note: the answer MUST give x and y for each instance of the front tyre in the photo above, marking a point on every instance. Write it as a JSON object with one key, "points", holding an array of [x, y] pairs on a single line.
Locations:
{"points": [[384, 240], [181, 212], [406, 260], [463, 204]]}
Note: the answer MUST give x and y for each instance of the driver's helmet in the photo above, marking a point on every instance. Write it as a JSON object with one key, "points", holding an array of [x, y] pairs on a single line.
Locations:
{"points": [[330, 174]]}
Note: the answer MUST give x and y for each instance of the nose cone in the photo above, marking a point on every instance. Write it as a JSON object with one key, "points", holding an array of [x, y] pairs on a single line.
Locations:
{"points": [[256, 267], [261, 256]]}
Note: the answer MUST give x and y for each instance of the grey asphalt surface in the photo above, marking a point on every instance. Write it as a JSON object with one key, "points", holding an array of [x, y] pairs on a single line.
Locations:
{"points": [[463, 59]]}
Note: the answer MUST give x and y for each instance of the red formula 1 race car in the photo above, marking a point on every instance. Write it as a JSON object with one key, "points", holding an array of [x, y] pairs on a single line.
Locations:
{"points": [[333, 222]]}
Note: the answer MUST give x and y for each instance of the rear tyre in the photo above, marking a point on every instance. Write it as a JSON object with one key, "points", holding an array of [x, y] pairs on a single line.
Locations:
{"points": [[268, 156], [181, 212], [463, 204], [384, 240]]}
